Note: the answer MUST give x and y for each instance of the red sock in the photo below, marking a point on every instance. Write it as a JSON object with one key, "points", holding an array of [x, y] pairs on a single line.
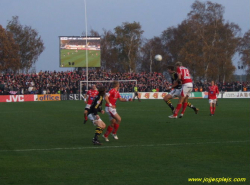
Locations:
{"points": [[211, 110], [184, 106], [116, 126], [109, 130], [177, 109], [86, 117]]}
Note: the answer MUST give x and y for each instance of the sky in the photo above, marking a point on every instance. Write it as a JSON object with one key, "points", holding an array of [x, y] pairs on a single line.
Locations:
{"points": [[54, 18]]}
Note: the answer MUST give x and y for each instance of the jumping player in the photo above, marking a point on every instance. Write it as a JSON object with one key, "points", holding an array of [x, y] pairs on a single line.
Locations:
{"points": [[115, 119], [95, 107], [213, 92], [176, 92], [88, 99], [187, 87]]}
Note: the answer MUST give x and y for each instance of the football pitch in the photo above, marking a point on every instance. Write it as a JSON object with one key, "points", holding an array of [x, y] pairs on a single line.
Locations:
{"points": [[79, 58], [47, 143]]}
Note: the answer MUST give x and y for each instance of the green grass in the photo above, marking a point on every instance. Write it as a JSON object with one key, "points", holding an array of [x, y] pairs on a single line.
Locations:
{"points": [[47, 143], [79, 58]]}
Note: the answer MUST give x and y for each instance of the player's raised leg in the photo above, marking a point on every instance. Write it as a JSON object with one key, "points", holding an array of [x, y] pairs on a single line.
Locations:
{"points": [[193, 107], [168, 102]]}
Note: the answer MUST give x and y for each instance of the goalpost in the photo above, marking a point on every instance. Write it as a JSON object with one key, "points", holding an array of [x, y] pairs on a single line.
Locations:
{"points": [[105, 83]]}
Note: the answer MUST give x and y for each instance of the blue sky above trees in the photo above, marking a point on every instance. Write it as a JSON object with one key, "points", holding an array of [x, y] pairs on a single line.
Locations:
{"points": [[63, 17]]}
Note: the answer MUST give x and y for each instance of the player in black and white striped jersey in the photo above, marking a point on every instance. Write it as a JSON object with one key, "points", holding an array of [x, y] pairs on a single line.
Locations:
{"points": [[93, 116]]}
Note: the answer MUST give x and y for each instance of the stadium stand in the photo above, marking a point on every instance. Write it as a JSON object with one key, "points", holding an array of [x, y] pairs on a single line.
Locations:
{"points": [[53, 82]]}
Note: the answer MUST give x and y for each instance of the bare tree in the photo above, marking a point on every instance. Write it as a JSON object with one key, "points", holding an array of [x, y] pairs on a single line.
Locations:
{"points": [[204, 42], [149, 49], [128, 40], [245, 52]]}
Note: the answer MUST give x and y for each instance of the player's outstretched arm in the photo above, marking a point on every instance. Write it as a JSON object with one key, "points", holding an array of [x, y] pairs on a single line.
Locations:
{"points": [[85, 98], [125, 100]]}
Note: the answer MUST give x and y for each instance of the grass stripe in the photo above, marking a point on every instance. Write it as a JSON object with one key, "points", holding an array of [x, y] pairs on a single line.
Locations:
{"points": [[123, 146]]}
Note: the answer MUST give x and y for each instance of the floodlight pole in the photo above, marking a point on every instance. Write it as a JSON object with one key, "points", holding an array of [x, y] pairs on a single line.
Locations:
{"points": [[87, 72], [150, 65], [241, 67], [241, 79]]}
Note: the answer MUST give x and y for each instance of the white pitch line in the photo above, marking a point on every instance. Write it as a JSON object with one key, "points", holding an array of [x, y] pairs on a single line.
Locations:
{"points": [[123, 146]]}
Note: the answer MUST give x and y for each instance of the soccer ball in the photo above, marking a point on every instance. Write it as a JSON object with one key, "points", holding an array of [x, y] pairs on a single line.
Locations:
{"points": [[158, 57]]}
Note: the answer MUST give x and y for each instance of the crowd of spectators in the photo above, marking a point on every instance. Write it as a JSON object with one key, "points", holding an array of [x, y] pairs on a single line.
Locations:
{"points": [[225, 87], [68, 82]]}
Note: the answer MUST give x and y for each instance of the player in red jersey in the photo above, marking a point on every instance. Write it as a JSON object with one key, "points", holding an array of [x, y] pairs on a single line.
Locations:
{"points": [[88, 99], [212, 97], [187, 87], [115, 119], [176, 90]]}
